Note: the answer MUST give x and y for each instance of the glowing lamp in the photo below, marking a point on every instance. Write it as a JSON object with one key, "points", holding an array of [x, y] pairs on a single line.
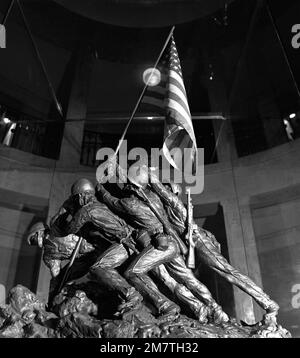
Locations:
{"points": [[293, 115], [151, 77], [6, 120]]}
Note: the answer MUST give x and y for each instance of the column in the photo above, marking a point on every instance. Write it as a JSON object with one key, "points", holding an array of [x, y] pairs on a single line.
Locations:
{"points": [[244, 305], [251, 250], [219, 103], [78, 73]]}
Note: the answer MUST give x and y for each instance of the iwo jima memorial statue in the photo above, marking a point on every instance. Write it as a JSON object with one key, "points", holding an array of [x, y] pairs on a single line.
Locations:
{"points": [[130, 253]]}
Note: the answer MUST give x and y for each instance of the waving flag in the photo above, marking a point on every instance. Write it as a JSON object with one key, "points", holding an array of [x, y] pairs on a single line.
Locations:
{"points": [[169, 98]]}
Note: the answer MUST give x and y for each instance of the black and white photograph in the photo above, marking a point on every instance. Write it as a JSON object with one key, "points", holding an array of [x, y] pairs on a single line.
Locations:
{"points": [[149, 172]]}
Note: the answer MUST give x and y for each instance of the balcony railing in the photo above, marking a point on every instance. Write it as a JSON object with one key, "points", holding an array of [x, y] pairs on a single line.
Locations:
{"points": [[30, 134], [146, 133]]}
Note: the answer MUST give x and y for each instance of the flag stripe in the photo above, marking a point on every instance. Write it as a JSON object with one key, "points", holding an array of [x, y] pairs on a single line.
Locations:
{"points": [[178, 108], [154, 101], [176, 89], [158, 89], [181, 117], [175, 83], [155, 95], [174, 75], [176, 97], [179, 139]]}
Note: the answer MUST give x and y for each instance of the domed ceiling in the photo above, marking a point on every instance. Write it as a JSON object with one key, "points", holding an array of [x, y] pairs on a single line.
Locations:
{"points": [[143, 13], [128, 31]]}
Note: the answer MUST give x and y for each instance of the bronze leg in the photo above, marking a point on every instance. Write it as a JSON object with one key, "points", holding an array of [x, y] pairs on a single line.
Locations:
{"points": [[183, 294], [146, 261], [104, 271], [212, 258], [178, 269]]}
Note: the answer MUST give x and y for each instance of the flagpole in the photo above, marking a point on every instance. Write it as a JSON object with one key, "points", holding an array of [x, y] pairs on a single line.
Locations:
{"points": [[7, 12], [143, 92]]}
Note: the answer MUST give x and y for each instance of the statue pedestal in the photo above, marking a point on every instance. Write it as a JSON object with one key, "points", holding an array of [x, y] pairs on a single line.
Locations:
{"points": [[80, 311]]}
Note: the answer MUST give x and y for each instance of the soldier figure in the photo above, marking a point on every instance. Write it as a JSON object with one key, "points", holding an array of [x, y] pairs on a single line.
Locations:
{"points": [[208, 249], [163, 249], [95, 222]]}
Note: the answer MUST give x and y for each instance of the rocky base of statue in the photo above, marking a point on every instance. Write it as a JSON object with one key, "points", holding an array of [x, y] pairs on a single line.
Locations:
{"points": [[84, 311]]}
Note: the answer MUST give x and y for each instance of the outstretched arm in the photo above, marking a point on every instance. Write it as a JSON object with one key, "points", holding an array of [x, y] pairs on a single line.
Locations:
{"points": [[121, 173], [112, 202], [68, 208], [167, 197], [62, 212], [80, 218], [109, 169], [203, 234]]}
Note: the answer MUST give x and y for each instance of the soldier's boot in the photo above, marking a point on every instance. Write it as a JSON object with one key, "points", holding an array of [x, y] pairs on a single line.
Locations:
{"points": [[272, 308], [132, 300], [110, 278], [264, 301], [144, 284], [185, 296], [221, 266], [217, 315], [202, 313], [168, 308]]}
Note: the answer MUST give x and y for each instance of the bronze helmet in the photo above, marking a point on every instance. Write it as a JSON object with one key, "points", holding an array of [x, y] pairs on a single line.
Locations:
{"points": [[81, 186], [138, 175]]}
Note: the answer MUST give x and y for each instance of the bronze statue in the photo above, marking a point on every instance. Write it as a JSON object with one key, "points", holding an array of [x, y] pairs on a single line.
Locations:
{"points": [[130, 231]]}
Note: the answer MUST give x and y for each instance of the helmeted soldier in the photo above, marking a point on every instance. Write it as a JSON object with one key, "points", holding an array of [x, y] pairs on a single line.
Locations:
{"points": [[163, 248], [208, 248], [95, 222]]}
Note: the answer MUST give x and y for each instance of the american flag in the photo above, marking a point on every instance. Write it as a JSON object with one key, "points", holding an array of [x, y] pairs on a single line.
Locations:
{"points": [[169, 99]]}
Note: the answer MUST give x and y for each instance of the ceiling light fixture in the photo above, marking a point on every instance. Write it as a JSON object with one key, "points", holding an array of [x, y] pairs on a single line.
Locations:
{"points": [[6, 120], [151, 77]]}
